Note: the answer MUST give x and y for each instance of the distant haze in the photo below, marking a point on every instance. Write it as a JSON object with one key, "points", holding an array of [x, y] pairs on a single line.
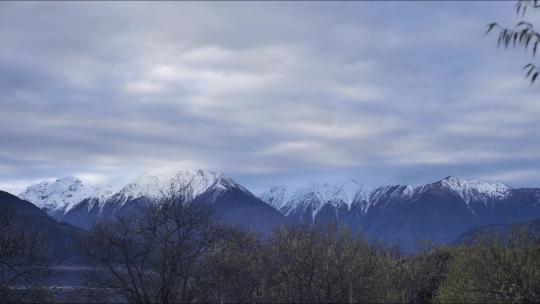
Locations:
{"points": [[268, 93]]}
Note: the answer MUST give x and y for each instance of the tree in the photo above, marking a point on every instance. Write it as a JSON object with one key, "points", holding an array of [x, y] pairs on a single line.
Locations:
{"points": [[363, 266], [408, 278], [154, 255], [298, 256], [323, 265], [24, 259], [235, 267], [430, 269], [494, 270], [522, 35]]}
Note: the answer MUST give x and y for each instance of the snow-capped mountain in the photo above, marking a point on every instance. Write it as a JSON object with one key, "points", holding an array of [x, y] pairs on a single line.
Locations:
{"points": [[313, 197], [310, 199], [442, 210], [192, 183], [74, 201], [466, 190], [472, 190], [404, 214], [61, 195], [398, 214]]}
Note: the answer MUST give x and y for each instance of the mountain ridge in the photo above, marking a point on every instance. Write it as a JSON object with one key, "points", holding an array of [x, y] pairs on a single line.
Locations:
{"points": [[281, 198], [404, 214], [396, 214], [210, 187]]}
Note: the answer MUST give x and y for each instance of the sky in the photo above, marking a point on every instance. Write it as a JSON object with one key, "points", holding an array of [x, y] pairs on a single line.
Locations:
{"points": [[265, 92]]}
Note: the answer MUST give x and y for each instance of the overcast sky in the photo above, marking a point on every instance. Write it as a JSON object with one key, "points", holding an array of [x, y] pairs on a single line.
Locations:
{"points": [[268, 93]]}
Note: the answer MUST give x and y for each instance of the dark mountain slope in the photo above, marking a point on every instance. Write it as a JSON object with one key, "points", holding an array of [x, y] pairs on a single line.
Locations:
{"points": [[61, 238], [237, 207]]}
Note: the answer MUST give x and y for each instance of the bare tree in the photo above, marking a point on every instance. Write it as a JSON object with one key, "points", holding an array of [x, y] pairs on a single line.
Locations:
{"points": [[310, 265], [154, 255], [24, 258], [235, 267]]}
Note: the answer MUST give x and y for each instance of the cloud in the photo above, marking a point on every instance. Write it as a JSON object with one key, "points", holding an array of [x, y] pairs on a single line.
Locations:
{"points": [[265, 92]]}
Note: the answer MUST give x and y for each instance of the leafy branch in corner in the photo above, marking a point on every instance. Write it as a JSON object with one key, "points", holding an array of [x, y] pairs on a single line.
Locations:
{"points": [[523, 35]]}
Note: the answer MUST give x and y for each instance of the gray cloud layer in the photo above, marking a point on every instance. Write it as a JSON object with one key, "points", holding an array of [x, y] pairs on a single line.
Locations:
{"points": [[266, 92]]}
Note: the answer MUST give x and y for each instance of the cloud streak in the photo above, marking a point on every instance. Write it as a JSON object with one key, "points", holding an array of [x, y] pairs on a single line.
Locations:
{"points": [[266, 92]]}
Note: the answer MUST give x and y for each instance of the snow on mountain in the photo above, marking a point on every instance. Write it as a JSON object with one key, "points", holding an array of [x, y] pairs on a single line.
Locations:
{"points": [[315, 195], [468, 190], [391, 193], [63, 194], [480, 189], [475, 190], [195, 183], [287, 199], [276, 196]]}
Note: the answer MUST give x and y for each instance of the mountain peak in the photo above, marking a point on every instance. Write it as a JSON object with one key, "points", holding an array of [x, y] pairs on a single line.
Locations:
{"points": [[478, 189], [453, 182], [60, 194], [156, 183]]}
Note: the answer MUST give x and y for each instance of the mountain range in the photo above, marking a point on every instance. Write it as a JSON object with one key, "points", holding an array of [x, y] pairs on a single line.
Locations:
{"points": [[395, 214], [73, 201], [402, 214]]}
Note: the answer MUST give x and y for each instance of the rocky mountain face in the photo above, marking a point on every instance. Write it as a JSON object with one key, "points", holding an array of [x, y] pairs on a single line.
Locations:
{"points": [[403, 215], [71, 201]]}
